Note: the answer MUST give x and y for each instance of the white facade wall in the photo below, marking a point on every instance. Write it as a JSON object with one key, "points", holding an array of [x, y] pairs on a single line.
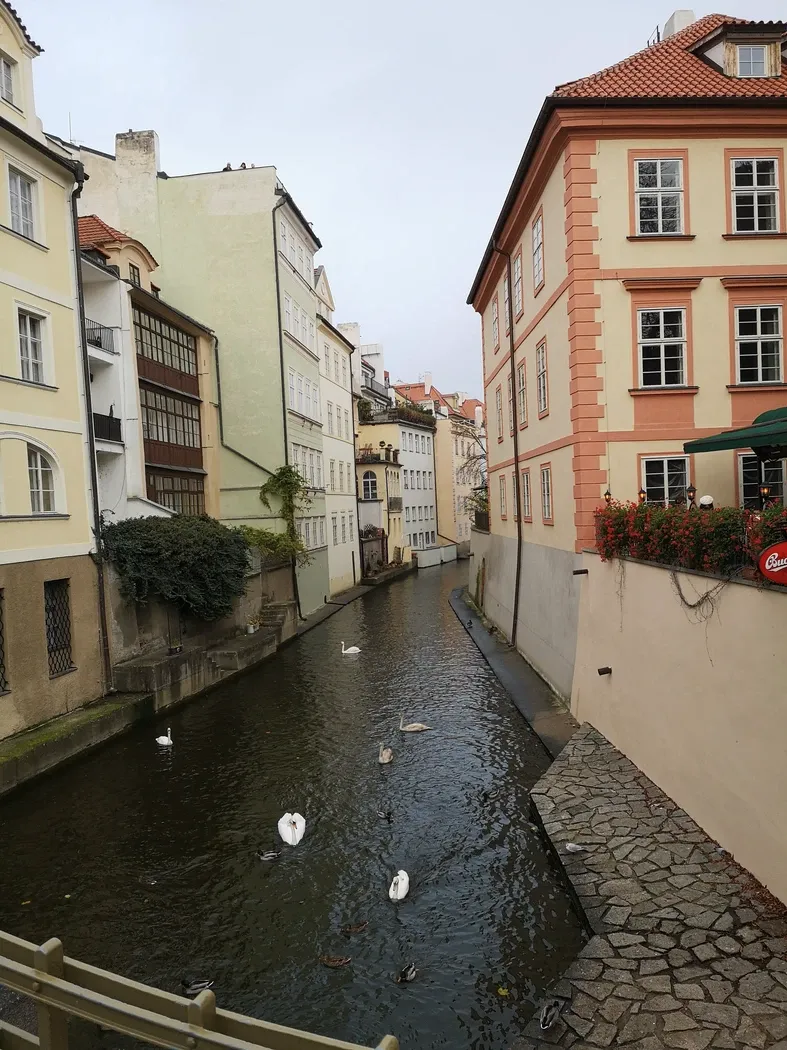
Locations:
{"points": [[419, 504]]}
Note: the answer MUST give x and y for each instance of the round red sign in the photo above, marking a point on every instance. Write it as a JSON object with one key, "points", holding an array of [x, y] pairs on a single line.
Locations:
{"points": [[773, 563]]}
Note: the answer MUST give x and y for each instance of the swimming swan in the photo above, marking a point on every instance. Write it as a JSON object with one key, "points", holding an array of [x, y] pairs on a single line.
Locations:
{"points": [[291, 828], [385, 756], [349, 652], [411, 727], [400, 886], [165, 741]]}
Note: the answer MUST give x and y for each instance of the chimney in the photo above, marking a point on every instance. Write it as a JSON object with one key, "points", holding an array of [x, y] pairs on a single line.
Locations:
{"points": [[678, 20], [427, 383]]}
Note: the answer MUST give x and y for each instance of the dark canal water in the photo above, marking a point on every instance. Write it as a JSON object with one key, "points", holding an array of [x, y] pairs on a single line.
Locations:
{"points": [[143, 859]]}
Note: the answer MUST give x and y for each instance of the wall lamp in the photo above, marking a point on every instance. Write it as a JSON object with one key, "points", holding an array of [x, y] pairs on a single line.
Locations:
{"points": [[607, 497], [642, 494], [691, 494], [605, 670]]}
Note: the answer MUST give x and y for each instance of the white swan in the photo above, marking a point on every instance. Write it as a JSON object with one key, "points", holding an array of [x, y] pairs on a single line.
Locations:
{"points": [[291, 828], [412, 727], [385, 756], [351, 651], [400, 886], [165, 741]]}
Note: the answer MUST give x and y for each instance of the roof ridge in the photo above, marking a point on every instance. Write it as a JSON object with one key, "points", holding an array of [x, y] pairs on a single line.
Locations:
{"points": [[15, 15]]}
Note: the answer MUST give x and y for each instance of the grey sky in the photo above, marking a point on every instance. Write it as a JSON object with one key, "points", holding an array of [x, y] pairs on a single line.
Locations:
{"points": [[396, 127]]}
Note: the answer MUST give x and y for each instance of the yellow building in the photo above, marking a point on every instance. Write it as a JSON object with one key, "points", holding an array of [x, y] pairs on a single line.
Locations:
{"points": [[632, 297], [378, 478], [52, 637]]}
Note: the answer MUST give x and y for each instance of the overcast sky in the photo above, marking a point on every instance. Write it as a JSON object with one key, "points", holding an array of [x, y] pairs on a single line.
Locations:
{"points": [[396, 127]]}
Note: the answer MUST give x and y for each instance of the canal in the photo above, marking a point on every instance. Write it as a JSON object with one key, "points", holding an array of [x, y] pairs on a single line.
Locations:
{"points": [[142, 859]]}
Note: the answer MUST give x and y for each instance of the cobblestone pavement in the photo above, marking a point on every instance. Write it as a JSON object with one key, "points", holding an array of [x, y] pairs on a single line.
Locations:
{"points": [[689, 950]]}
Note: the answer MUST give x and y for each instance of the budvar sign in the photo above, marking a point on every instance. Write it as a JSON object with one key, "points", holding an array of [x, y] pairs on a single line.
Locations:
{"points": [[773, 563]]}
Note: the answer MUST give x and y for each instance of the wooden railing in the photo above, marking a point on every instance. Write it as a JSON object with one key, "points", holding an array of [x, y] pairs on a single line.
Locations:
{"points": [[63, 988]]}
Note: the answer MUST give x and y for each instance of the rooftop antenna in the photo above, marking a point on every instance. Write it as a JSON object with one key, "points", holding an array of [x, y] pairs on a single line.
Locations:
{"points": [[654, 38], [70, 132]]}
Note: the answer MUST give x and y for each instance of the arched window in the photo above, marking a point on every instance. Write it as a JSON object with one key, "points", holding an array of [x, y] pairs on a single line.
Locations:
{"points": [[369, 485], [41, 479]]}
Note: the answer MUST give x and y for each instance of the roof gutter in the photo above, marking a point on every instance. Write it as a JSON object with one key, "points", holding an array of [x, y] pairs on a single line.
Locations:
{"points": [[74, 166]]}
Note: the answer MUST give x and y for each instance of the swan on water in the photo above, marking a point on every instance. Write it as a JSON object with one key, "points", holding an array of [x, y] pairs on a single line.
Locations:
{"points": [[291, 828], [411, 727], [385, 756], [165, 741], [349, 652], [407, 973], [400, 886]]}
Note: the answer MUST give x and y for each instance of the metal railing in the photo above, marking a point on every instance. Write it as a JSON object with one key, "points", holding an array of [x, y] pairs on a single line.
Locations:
{"points": [[107, 428], [372, 384], [63, 988], [99, 335]]}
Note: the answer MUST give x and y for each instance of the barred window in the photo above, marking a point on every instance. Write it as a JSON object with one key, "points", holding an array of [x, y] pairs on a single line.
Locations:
{"points": [[170, 419], [182, 493], [57, 618], [165, 343]]}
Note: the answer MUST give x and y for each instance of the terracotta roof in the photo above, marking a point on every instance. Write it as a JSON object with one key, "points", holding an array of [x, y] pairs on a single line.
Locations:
{"points": [[93, 232], [22, 26], [671, 69], [417, 392], [468, 407]]}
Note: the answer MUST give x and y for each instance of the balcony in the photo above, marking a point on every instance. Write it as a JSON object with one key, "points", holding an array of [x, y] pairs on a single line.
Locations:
{"points": [[405, 414], [106, 428], [395, 504], [384, 455], [100, 336], [373, 385]]}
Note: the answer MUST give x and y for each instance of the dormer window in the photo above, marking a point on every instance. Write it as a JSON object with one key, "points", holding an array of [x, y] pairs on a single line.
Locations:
{"points": [[6, 79], [752, 60]]}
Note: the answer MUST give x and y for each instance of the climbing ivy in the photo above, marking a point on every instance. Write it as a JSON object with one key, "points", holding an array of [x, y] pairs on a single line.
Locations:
{"points": [[288, 486], [274, 545], [194, 562]]}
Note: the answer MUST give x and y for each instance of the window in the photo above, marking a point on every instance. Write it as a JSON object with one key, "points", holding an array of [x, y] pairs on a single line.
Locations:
{"points": [[164, 343], [292, 388], [308, 387], [429, 446], [335, 530], [322, 532], [21, 190], [41, 480], [505, 301], [418, 479], [495, 324], [423, 444], [538, 253], [510, 394], [542, 390], [6, 84], [420, 513], [341, 475], [154, 288], [410, 441], [758, 343], [300, 257], [347, 424], [134, 275], [514, 496], [336, 366], [662, 347], [350, 524], [751, 478], [311, 469], [333, 475], [412, 480], [287, 313], [319, 470], [369, 485], [752, 60], [521, 395], [31, 354], [755, 191], [518, 285], [292, 247], [300, 394], [502, 495], [527, 512], [406, 485], [311, 335], [181, 493], [659, 196], [330, 418], [665, 480], [283, 237], [4, 686], [344, 371], [57, 620], [430, 479], [296, 321], [546, 493], [170, 419], [344, 528], [307, 533], [327, 359], [499, 409], [406, 513], [431, 512]]}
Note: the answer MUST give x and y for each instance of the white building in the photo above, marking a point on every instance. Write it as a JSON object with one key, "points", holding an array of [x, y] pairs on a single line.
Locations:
{"points": [[419, 502], [338, 444]]}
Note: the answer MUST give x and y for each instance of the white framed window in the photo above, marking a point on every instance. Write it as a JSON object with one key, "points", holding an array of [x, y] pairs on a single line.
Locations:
{"points": [[659, 195], [341, 475], [335, 530], [330, 417], [665, 480], [7, 79], [319, 470], [344, 528], [407, 514], [430, 479], [752, 60], [538, 252], [546, 493], [758, 343], [327, 358], [503, 508], [505, 301], [406, 485], [418, 478], [31, 347], [420, 513], [499, 409], [41, 480], [518, 285], [300, 394], [662, 347], [510, 393], [514, 495], [22, 190], [292, 246], [296, 321], [336, 366], [412, 480], [300, 257], [410, 441], [332, 473], [752, 475], [347, 424], [311, 335], [755, 195], [307, 539], [428, 446], [308, 272], [351, 524], [299, 528], [431, 512], [521, 395], [542, 387], [312, 474], [287, 313], [423, 444], [283, 237], [308, 388], [495, 323], [292, 387], [525, 486], [344, 372], [322, 532]]}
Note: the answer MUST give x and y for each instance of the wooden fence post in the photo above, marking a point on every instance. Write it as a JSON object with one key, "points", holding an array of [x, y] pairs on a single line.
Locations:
{"points": [[52, 1023]]}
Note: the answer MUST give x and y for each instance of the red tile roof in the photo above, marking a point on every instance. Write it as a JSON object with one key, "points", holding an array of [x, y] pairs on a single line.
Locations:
{"points": [[417, 392], [670, 69], [22, 26], [468, 407], [93, 232]]}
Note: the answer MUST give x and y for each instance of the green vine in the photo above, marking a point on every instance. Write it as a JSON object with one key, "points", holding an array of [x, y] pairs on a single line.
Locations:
{"points": [[193, 562], [275, 545], [288, 486]]}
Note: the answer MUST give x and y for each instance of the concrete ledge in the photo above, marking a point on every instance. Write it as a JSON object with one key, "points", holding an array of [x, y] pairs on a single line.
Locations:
{"points": [[389, 574]]}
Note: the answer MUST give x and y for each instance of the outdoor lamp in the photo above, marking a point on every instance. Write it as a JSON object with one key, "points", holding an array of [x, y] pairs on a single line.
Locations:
{"points": [[691, 494], [607, 497], [642, 495], [765, 491]]}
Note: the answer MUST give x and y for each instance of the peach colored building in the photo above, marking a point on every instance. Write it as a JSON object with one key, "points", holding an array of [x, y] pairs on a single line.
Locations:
{"points": [[632, 297]]}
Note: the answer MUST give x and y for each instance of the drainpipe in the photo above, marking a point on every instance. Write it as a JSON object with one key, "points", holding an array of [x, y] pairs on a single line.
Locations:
{"points": [[91, 439], [275, 208], [510, 322]]}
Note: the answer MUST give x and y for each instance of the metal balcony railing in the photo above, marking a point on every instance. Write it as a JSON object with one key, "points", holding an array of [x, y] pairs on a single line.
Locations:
{"points": [[64, 988], [372, 384], [395, 504], [100, 336], [107, 428], [384, 455]]}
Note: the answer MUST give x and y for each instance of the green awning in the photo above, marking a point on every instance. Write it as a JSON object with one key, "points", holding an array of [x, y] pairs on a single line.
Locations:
{"points": [[767, 436]]}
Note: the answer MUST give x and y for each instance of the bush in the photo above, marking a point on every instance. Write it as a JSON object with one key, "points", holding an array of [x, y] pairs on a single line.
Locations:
{"points": [[194, 562], [716, 541], [275, 545]]}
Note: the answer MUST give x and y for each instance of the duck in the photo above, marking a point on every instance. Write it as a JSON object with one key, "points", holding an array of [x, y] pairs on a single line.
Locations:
{"points": [[291, 828], [335, 961], [192, 988], [270, 854], [407, 973], [357, 927], [165, 741], [549, 1013], [412, 727], [385, 756], [385, 814], [351, 651], [400, 886]]}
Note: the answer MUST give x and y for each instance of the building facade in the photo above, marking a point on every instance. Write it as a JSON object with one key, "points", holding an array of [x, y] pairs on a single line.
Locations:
{"points": [[52, 638], [379, 481], [632, 298]]}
